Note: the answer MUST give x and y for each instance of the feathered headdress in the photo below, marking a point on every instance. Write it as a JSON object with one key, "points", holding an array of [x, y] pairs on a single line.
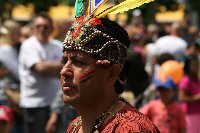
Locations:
{"points": [[97, 36], [93, 6]]}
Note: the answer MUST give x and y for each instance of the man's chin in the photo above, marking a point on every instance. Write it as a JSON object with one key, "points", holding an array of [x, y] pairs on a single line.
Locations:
{"points": [[41, 38], [70, 99]]}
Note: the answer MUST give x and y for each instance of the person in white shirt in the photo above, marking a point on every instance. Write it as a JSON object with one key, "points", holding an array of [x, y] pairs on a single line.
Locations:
{"points": [[172, 44], [39, 67]]}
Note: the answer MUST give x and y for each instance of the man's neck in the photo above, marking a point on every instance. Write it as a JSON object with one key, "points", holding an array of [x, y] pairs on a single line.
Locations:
{"points": [[175, 34], [90, 114], [44, 42]]}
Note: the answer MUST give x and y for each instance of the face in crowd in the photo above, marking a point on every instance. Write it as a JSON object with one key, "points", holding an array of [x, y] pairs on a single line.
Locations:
{"points": [[42, 29]]}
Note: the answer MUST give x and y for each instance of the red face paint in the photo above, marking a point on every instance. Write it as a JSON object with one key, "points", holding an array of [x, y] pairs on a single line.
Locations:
{"points": [[86, 76]]}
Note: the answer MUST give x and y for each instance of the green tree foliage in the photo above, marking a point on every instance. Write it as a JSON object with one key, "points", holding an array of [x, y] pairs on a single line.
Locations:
{"points": [[149, 10], [6, 6], [69, 2]]}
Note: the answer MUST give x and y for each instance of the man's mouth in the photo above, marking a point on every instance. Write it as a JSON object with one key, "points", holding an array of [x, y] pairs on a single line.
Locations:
{"points": [[67, 86]]}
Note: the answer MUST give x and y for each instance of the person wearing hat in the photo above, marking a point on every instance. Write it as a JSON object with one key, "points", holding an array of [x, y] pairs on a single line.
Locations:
{"points": [[165, 113], [6, 119], [92, 78]]}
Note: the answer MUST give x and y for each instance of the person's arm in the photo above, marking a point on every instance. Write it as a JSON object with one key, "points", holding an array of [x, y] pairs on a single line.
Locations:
{"points": [[184, 97], [51, 124], [10, 61], [31, 58], [48, 68], [56, 108]]}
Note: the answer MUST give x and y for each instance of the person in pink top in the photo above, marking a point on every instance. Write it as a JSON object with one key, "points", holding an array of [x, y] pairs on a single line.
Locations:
{"points": [[165, 113], [6, 119], [189, 94]]}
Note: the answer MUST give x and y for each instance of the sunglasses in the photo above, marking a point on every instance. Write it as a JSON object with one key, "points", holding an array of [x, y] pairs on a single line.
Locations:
{"points": [[44, 26]]}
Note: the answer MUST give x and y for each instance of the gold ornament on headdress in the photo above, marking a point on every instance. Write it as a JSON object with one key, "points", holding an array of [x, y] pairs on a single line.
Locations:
{"points": [[124, 6]]}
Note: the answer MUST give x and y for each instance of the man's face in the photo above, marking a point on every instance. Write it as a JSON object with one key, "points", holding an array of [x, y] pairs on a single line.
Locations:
{"points": [[42, 29], [82, 80]]}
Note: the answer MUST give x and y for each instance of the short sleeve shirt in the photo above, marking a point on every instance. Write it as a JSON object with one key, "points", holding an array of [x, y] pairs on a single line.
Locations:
{"points": [[168, 119], [38, 90], [191, 85]]}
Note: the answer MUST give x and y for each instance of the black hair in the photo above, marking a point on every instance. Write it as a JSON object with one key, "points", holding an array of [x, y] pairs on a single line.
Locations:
{"points": [[187, 63], [114, 30], [119, 86], [165, 57], [196, 44], [45, 16]]}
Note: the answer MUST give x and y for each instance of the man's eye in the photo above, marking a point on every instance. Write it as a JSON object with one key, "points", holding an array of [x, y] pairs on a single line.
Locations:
{"points": [[78, 63]]}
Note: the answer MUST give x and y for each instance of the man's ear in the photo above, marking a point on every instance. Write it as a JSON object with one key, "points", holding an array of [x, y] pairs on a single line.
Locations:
{"points": [[114, 73]]}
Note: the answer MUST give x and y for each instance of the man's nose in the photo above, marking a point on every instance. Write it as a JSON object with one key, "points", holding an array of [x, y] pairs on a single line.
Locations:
{"points": [[67, 70]]}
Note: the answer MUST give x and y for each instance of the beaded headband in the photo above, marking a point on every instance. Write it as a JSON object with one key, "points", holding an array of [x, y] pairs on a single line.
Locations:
{"points": [[86, 37], [95, 42]]}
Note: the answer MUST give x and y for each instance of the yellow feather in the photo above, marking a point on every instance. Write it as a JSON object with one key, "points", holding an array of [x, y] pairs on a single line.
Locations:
{"points": [[124, 6]]}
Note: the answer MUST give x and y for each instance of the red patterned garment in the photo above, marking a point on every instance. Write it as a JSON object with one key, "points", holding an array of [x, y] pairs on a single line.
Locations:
{"points": [[126, 120]]}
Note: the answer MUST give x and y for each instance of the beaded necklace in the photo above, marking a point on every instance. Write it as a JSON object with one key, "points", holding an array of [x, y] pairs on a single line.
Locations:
{"points": [[101, 118]]}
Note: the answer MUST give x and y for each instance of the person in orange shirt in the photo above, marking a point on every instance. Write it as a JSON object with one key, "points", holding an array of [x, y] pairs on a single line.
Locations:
{"points": [[165, 113]]}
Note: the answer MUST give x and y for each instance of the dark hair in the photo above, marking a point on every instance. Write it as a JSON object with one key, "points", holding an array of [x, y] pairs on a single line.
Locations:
{"points": [[116, 31], [119, 86], [45, 16], [187, 63], [196, 44], [113, 29], [165, 57]]}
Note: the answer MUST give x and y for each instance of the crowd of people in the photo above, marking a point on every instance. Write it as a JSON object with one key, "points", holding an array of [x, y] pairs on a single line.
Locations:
{"points": [[32, 60]]}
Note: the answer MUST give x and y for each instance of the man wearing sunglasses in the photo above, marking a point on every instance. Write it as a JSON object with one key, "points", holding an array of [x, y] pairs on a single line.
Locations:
{"points": [[39, 71]]}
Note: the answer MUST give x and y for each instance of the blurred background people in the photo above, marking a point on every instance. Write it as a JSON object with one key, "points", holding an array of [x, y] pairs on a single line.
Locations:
{"points": [[61, 26], [165, 113], [189, 93], [9, 49], [39, 67], [25, 32], [3, 85], [172, 44], [152, 33], [61, 115]]}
